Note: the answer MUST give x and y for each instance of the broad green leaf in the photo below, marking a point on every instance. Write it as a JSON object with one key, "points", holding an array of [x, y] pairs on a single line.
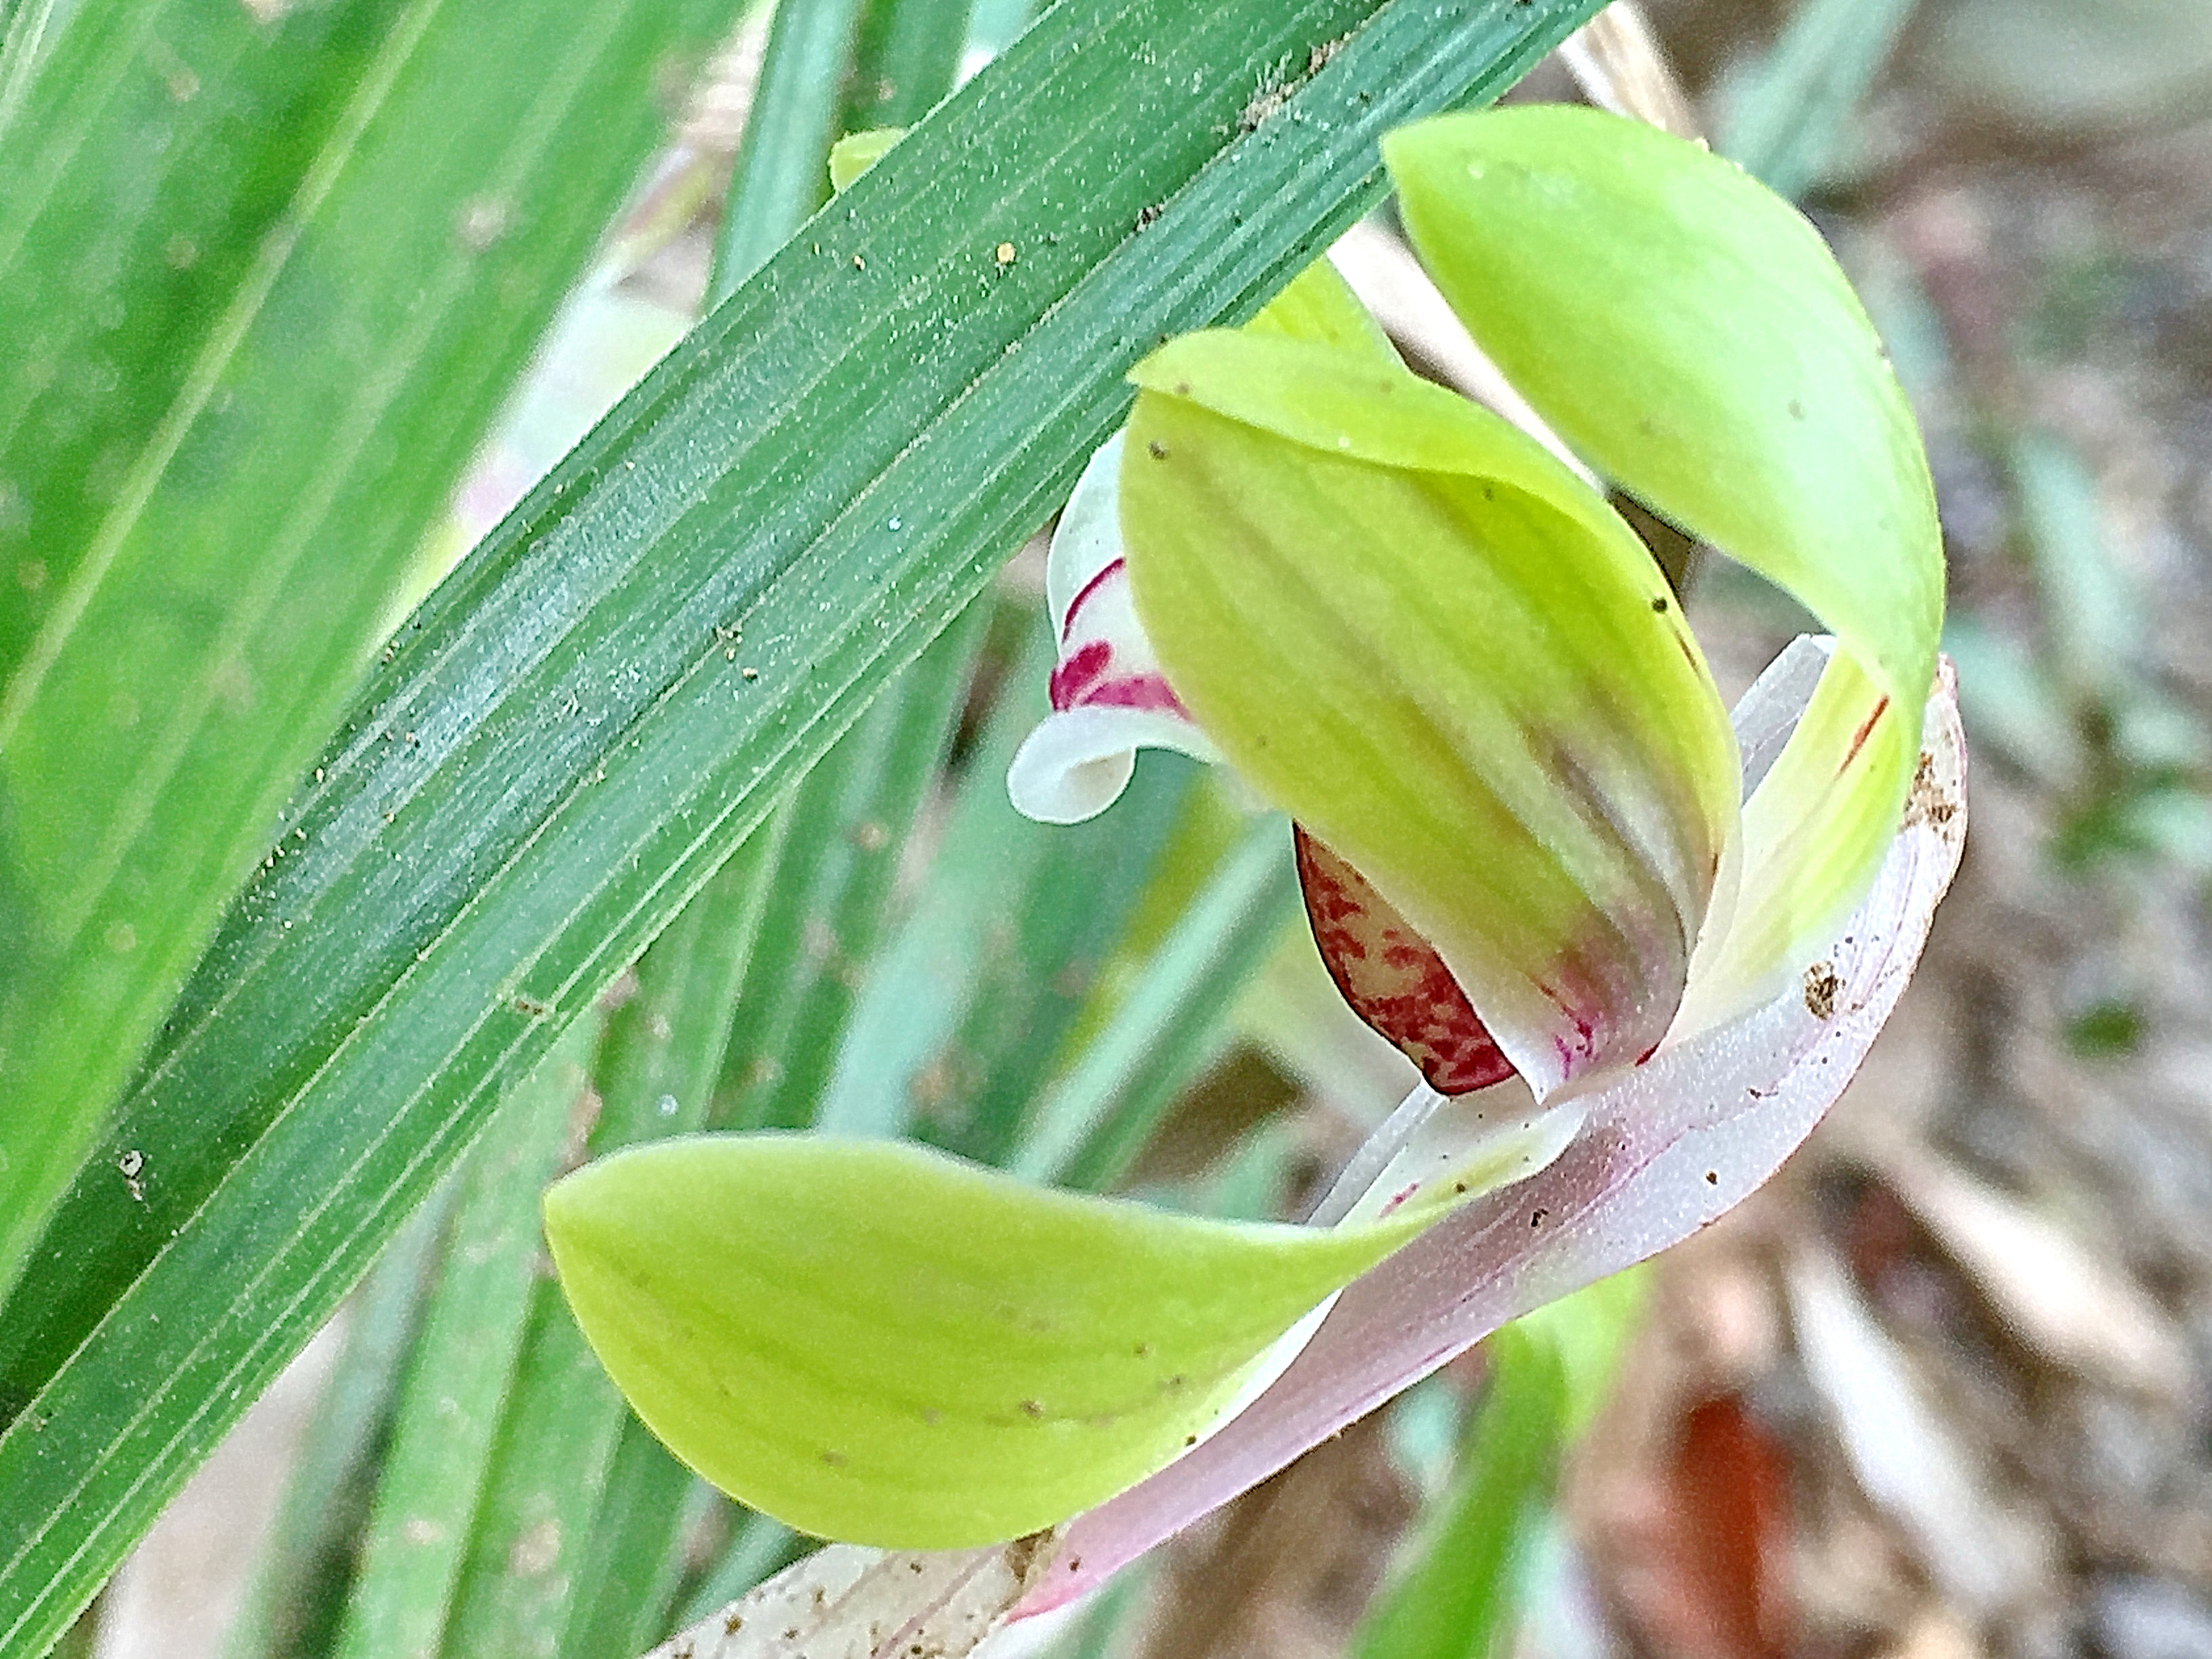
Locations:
{"points": [[587, 753], [225, 541], [1689, 333], [193, 162], [1419, 634], [575, 1546], [873, 1342]]}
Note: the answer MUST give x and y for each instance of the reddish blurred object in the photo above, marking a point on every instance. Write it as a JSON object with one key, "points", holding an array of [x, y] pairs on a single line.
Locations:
{"points": [[1703, 1573]]}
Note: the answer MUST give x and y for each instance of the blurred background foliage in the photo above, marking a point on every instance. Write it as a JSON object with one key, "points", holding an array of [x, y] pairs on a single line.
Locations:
{"points": [[1943, 1391]]}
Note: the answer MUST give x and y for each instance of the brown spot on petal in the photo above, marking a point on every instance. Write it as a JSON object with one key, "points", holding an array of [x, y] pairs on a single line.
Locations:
{"points": [[1821, 988], [1927, 803], [1865, 731], [1393, 978]]}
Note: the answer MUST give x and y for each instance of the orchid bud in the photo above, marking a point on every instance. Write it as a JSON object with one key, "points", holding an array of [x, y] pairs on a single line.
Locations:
{"points": [[1533, 841], [1451, 663]]}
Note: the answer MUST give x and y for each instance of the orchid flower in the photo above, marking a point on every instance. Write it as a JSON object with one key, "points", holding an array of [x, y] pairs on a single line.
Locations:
{"points": [[1636, 946]]}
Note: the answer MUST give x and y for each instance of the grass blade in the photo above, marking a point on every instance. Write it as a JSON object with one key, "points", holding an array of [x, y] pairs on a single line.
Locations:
{"points": [[298, 1593], [472, 1333], [970, 1007], [905, 59], [240, 550], [1790, 120], [782, 172], [845, 825], [1455, 1600], [1090, 1128]]}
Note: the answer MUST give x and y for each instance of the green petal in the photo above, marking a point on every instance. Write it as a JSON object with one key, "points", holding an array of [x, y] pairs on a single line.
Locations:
{"points": [[1427, 640], [856, 152], [875, 1342], [1319, 306], [1689, 333], [1806, 829]]}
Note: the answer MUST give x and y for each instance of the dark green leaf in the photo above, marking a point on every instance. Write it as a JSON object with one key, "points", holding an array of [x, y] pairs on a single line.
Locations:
{"points": [[907, 55], [630, 1573], [298, 1593], [782, 167], [217, 540]]}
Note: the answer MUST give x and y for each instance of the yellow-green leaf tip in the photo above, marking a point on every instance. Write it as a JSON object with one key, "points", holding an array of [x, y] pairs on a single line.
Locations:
{"points": [[874, 1342]]}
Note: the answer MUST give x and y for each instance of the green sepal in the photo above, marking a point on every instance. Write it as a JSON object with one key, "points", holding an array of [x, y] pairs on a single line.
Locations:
{"points": [[856, 152], [1319, 306], [1414, 630], [1689, 333], [881, 1344]]}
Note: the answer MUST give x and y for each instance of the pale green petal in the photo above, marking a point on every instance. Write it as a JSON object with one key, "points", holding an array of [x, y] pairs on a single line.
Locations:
{"points": [[878, 1343], [1319, 306], [856, 152], [1689, 333], [1419, 633], [1806, 829]]}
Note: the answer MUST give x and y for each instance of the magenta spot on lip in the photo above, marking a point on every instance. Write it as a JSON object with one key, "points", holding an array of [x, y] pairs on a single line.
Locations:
{"points": [[1136, 691], [1079, 673], [1081, 682], [1585, 1046], [1111, 568], [1392, 978]]}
